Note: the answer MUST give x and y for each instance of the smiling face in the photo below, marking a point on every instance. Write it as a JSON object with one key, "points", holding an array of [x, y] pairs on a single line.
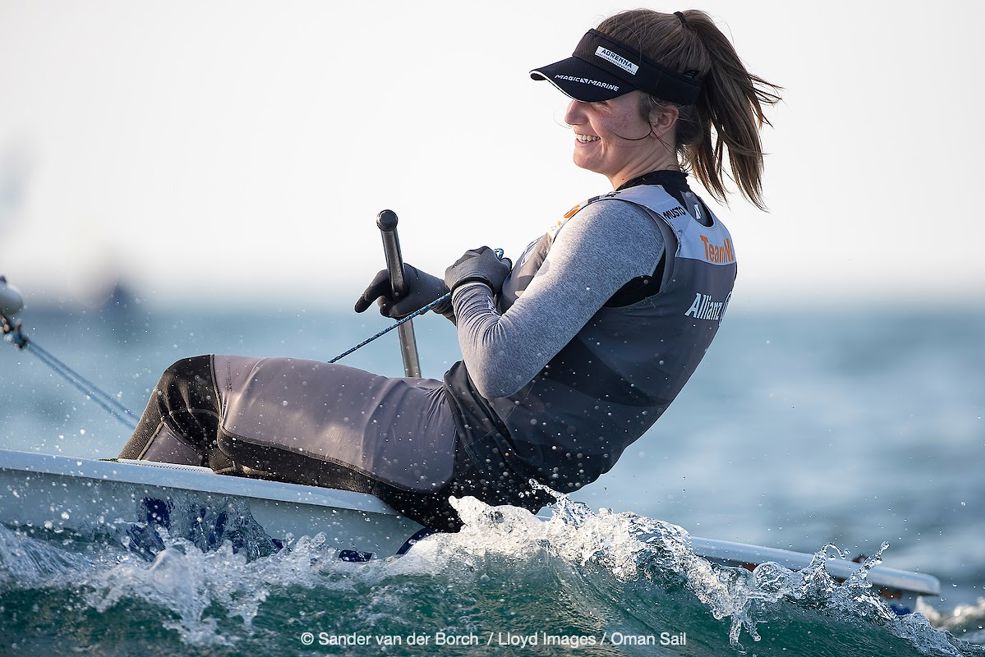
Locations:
{"points": [[612, 138]]}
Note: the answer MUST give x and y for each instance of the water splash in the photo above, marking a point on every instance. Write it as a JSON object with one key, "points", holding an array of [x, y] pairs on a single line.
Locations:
{"points": [[964, 621], [188, 582], [632, 547], [581, 570], [27, 563]]}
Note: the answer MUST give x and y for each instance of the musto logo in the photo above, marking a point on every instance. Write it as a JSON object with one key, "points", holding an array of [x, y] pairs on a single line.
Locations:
{"points": [[718, 254]]}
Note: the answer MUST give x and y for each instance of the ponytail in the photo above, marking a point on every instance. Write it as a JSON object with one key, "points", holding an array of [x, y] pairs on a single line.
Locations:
{"points": [[728, 114]]}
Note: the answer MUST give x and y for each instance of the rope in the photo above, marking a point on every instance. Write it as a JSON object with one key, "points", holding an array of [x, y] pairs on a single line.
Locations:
{"points": [[107, 402], [403, 320]]}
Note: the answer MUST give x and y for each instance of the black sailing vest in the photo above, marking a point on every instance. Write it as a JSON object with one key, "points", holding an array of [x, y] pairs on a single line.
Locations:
{"points": [[606, 387]]}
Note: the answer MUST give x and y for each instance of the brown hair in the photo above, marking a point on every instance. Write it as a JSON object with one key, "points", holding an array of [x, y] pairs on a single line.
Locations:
{"points": [[731, 99]]}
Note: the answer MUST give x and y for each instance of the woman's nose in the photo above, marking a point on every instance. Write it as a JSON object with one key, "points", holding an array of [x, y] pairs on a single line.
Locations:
{"points": [[575, 115]]}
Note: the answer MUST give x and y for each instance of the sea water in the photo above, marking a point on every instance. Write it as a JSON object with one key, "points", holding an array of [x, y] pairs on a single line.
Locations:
{"points": [[838, 432]]}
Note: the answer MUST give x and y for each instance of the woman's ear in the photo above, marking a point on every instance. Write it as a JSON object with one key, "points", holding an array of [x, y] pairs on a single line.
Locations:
{"points": [[662, 120]]}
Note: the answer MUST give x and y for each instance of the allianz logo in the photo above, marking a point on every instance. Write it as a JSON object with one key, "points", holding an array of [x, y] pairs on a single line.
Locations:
{"points": [[704, 307]]}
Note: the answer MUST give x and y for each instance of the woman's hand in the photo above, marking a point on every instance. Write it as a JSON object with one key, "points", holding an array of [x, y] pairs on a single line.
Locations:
{"points": [[422, 289], [479, 265]]}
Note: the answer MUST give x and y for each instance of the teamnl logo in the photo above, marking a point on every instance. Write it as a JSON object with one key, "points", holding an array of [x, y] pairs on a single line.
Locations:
{"points": [[617, 59]]}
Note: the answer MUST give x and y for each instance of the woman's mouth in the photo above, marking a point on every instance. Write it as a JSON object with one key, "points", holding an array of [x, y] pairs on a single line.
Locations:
{"points": [[585, 139]]}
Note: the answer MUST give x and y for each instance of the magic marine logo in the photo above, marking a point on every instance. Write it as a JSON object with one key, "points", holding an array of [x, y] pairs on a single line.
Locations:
{"points": [[704, 307], [595, 83]]}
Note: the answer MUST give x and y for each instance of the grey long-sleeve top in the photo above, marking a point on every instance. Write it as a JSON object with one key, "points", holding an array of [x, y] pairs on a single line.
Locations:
{"points": [[600, 249]]}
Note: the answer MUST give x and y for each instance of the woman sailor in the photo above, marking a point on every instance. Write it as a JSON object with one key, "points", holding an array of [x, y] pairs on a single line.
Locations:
{"points": [[568, 356]]}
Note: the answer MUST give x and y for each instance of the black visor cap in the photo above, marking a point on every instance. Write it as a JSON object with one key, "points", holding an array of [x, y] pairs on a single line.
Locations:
{"points": [[603, 69], [582, 81]]}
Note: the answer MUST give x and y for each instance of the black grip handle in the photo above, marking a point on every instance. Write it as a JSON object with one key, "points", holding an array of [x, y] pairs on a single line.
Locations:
{"points": [[386, 221]]}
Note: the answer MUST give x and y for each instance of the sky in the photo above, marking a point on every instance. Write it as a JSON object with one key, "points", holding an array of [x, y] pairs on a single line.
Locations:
{"points": [[225, 152]]}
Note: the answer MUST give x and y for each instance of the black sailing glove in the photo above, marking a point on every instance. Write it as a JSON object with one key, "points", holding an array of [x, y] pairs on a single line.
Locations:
{"points": [[422, 289], [479, 265]]}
